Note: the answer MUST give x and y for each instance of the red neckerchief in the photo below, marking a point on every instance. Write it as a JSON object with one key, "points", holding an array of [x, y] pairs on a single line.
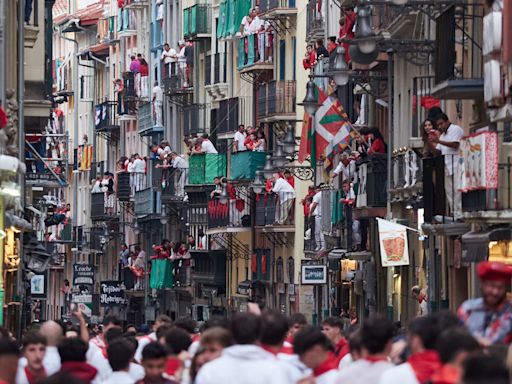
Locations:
{"points": [[329, 364], [375, 359], [448, 374], [424, 364], [341, 349], [3, 382], [269, 349], [33, 378], [172, 365]]}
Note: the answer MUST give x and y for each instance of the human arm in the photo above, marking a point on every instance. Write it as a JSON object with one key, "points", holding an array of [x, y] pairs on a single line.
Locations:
{"points": [[84, 333], [312, 208]]}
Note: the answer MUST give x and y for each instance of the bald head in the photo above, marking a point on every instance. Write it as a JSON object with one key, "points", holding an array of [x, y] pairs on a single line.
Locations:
{"points": [[52, 331]]}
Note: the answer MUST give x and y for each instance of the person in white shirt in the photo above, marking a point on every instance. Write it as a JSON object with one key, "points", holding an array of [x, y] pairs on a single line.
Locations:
{"points": [[169, 57], [158, 101], [316, 211], [206, 145], [346, 167], [145, 340], [139, 170], [448, 145], [286, 195], [180, 173], [96, 188], [119, 354], [245, 25], [182, 64], [239, 140], [34, 349], [53, 333]]}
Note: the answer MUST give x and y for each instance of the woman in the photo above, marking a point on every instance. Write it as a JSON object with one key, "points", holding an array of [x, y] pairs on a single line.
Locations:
{"points": [[144, 76], [259, 144], [428, 134], [376, 140]]}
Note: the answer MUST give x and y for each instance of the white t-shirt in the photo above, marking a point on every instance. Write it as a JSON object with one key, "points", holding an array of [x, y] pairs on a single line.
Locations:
{"points": [[182, 59], [317, 198], [283, 189], [169, 56], [119, 377], [130, 168], [347, 171], [363, 372], [179, 162], [139, 166], [240, 139], [451, 155], [247, 25], [207, 147], [402, 374], [256, 25], [158, 94]]}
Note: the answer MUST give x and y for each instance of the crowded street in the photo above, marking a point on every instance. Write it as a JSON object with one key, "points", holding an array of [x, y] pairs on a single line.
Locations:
{"points": [[255, 191]]}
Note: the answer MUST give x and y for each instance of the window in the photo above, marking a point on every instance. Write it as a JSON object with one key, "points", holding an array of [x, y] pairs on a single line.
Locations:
{"points": [[282, 59], [279, 270], [294, 57], [291, 270]]}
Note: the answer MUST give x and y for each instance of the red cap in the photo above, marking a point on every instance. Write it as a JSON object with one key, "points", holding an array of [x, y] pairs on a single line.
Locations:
{"points": [[494, 270]]}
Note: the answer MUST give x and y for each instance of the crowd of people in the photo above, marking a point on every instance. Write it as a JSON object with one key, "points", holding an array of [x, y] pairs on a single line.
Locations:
{"points": [[265, 346], [252, 25], [249, 139], [179, 62]]}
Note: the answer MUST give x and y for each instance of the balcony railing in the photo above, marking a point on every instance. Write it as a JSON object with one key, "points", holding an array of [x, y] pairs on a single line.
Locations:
{"points": [[321, 70], [372, 181], [406, 170], [276, 5], [197, 21], [127, 22], [252, 52], [210, 267], [173, 181], [276, 99], [275, 209], [233, 213], [98, 209], [174, 79], [203, 168], [244, 164], [106, 29], [157, 37], [315, 20], [150, 120], [106, 116], [147, 202]]}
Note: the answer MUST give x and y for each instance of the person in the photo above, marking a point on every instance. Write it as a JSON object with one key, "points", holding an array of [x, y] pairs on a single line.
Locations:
{"points": [[177, 342], [332, 328], [424, 360], [309, 57], [144, 78], [100, 359], [331, 45], [9, 355], [315, 211], [134, 65], [52, 331], [189, 55], [203, 241], [239, 139], [213, 341], [72, 353], [448, 145], [286, 195], [355, 346], [315, 352], [169, 57], [346, 167], [123, 256], [245, 25], [429, 135], [206, 145], [489, 318], [182, 64], [139, 172], [253, 364], [108, 187], [154, 356], [119, 89], [160, 321], [321, 51], [98, 344], [347, 22], [420, 296], [296, 322], [485, 369], [139, 267], [376, 140], [34, 349], [377, 336], [158, 101], [96, 188], [288, 176], [455, 345], [119, 354], [259, 144]]}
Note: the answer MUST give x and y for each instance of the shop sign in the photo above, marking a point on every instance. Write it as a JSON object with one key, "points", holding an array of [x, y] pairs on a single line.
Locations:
{"points": [[83, 274], [83, 303], [314, 274], [111, 293], [394, 248]]}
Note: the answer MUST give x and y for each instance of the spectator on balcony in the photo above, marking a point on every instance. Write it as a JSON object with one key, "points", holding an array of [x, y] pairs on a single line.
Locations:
{"points": [[321, 51], [346, 167], [96, 188], [316, 213], [287, 174], [180, 166], [138, 267], [239, 140], [158, 102], [169, 57], [120, 91], [286, 195], [347, 23], [309, 58], [260, 144], [182, 64], [166, 147], [308, 200], [123, 256], [245, 25], [251, 142], [144, 78], [157, 153], [108, 187], [376, 142], [429, 134], [134, 64], [206, 145], [331, 45], [203, 240], [248, 139], [189, 54], [139, 169], [447, 145]]}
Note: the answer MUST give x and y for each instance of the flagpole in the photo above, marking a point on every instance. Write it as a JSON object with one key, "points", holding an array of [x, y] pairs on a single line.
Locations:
{"points": [[313, 149]]}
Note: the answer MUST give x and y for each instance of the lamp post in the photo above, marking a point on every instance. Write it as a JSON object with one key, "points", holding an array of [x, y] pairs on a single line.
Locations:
{"points": [[339, 71], [310, 104]]}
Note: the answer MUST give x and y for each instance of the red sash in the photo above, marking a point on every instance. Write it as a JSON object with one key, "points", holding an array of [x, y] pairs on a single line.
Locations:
{"points": [[424, 364]]}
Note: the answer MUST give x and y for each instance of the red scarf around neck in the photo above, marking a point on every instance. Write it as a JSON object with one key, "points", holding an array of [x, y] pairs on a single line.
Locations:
{"points": [[36, 376], [328, 365], [425, 364]]}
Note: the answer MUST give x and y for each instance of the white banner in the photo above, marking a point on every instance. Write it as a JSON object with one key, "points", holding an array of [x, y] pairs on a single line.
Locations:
{"points": [[394, 248], [478, 167]]}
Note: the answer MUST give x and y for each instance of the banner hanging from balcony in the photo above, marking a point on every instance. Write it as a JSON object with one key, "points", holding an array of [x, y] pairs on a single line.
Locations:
{"points": [[478, 166], [394, 248]]}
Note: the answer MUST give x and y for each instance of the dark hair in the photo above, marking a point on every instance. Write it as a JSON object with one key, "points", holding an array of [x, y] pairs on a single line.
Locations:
{"points": [[454, 341], [164, 318], [309, 337], [442, 116], [9, 347], [246, 328], [355, 341], [422, 128], [130, 325], [376, 333], [162, 330], [332, 39], [217, 335], [72, 349], [33, 337], [186, 323], [114, 320], [274, 328], [113, 334], [177, 340], [427, 329], [153, 351], [484, 369], [446, 319], [297, 318], [60, 378], [119, 354], [335, 322], [434, 112], [320, 41], [216, 321], [132, 340]]}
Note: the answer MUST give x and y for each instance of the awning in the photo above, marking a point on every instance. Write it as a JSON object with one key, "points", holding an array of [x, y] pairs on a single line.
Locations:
{"points": [[475, 245]]}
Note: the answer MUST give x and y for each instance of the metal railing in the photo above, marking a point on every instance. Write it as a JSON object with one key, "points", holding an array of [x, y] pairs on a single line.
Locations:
{"points": [[174, 78], [236, 212], [106, 116], [275, 209], [197, 21], [406, 170], [269, 5], [127, 21], [314, 19], [276, 97], [252, 50], [372, 191]]}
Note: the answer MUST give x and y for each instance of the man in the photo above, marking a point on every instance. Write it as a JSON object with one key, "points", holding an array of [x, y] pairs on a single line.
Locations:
{"points": [[321, 51], [315, 211], [139, 171], [249, 142], [489, 318], [180, 166], [158, 101], [448, 146], [485, 369], [296, 322], [286, 195], [72, 353], [177, 342], [189, 55], [34, 349], [332, 328], [244, 362], [145, 340], [424, 360], [421, 297], [314, 350], [206, 145], [119, 354], [123, 256], [182, 63], [377, 338], [169, 57], [9, 354], [346, 167], [98, 344], [214, 341], [100, 359], [153, 360], [139, 267], [239, 139], [53, 334]]}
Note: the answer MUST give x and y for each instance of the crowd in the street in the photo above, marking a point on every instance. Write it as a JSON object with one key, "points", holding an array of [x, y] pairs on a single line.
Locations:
{"points": [[262, 346]]}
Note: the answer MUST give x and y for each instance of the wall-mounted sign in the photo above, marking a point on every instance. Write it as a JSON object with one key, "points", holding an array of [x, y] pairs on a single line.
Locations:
{"points": [[38, 286], [394, 248], [478, 168], [314, 274], [111, 293], [83, 274]]}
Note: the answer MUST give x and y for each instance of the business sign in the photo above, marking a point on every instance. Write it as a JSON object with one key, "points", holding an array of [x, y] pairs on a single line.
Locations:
{"points": [[314, 274], [394, 248], [478, 165], [83, 302], [83, 274], [111, 293]]}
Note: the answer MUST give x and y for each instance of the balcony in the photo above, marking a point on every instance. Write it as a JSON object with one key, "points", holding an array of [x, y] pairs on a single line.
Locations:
{"points": [[314, 20], [98, 210], [157, 37], [458, 68], [106, 30], [233, 216], [197, 22], [276, 101], [203, 168], [174, 81], [106, 118], [149, 120], [272, 9], [127, 23], [183, 274], [244, 164], [406, 176], [136, 4], [209, 267], [147, 202], [372, 182], [173, 183], [250, 59], [275, 213]]}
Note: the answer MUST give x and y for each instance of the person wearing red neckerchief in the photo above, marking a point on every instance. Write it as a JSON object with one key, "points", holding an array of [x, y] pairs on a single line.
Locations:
{"points": [[297, 321], [377, 337], [420, 296], [9, 355], [72, 353], [315, 352], [34, 349], [424, 360], [454, 347], [177, 342], [332, 327]]}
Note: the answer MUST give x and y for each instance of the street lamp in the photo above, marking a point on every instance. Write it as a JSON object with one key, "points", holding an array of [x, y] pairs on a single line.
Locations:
{"points": [[279, 159], [340, 71], [268, 168], [365, 36], [289, 140], [37, 256], [224, 196], [310, 102], [258, 185]]}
